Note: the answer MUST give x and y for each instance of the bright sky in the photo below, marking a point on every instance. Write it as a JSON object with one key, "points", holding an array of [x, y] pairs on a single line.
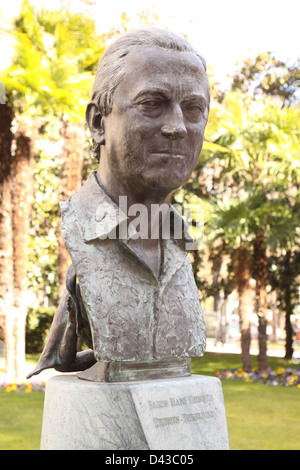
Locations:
{"points": [[221, 30]]}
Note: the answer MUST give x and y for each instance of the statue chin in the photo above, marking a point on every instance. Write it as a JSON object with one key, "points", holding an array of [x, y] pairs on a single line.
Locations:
{"points": [[164, 182]]}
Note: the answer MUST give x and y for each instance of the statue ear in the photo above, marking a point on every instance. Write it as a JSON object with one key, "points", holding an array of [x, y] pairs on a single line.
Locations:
{"points": [[95, 122]]}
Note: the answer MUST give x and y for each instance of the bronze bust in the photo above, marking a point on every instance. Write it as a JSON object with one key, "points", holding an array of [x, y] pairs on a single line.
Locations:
{"points": [[132, 299]]}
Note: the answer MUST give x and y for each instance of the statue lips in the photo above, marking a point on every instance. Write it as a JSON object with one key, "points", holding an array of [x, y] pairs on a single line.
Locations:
{"points": [[168, 158], [170, 154]]}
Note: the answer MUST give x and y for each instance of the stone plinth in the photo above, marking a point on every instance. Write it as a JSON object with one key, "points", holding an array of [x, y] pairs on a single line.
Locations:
{"points": [[166, 414]]}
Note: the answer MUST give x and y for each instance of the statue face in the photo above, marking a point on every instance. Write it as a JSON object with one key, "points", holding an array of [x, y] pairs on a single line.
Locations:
{"points": [[154, 133]]}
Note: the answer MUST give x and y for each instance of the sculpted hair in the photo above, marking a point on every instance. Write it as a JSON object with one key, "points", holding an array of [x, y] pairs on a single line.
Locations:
{"points": [[111, 66]]}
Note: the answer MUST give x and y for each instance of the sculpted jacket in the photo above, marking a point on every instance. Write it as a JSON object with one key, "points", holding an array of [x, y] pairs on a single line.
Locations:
{"points": [[113, 300]]}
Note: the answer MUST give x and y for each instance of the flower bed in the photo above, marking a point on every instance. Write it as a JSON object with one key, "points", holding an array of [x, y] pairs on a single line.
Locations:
{"points": [[289, 377], [23, 387]]}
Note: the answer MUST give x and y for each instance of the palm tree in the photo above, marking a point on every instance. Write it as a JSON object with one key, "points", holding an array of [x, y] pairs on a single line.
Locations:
{"points": [[254, 156], [6, 239], [49, 78], [229, 221], [242, 278], [74, 56]]}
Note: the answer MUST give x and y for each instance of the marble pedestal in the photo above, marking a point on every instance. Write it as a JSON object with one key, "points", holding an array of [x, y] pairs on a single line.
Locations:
{"points": [[166, 414]]}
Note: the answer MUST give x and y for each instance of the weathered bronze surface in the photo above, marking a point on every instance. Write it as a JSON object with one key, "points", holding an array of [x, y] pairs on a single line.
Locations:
{"points": [[132, 298], [137, 370]]}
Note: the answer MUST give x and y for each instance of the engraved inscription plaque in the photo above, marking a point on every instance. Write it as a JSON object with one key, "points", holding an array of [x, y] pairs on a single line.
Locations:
{"points": [[187, 415]]}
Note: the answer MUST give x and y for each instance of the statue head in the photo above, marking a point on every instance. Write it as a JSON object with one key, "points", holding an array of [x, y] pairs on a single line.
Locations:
{"points": [[111, 68], [148, 112]]}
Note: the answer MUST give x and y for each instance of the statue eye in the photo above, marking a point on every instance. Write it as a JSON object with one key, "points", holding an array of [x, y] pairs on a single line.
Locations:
{"points": [[193, 110], [152, 107], [151, 103]]}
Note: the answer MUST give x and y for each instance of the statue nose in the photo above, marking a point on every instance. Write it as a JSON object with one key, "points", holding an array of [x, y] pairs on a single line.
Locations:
{"points": [[173, 132], [174, 127]]}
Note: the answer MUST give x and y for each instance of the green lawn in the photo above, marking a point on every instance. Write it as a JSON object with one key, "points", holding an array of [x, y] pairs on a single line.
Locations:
{"points": [[21, 417], [260, 417]]}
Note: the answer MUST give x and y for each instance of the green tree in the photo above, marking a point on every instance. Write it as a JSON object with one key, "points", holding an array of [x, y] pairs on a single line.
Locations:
{"points": [[49, 78], [269, 76], [252, 163], [228, 222], [6, 252]]}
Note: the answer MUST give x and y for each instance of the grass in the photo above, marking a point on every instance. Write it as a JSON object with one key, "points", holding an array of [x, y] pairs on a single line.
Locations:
{"points": [[259, 417], [21, 417]]}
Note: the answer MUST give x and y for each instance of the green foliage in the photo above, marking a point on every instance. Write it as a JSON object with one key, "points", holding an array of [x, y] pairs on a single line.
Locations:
{"points": [[55, 55], [265, 74], [45, 219], [51, 77], [284, 278], [38, 324], [254, 158]]}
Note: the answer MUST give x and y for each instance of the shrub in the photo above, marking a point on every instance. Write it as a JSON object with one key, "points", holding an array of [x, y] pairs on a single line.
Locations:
{"points": [[37, 328]]}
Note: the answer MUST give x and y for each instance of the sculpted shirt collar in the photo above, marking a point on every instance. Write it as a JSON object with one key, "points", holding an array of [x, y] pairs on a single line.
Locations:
{"points": [[99, 216]]}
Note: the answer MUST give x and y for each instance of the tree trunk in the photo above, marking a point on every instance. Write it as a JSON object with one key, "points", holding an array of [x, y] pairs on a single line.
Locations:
{"points": [[242, 278], [71, 180], [6, 244], [289, 350], [216, 269], [274, 309], [288, 278], [23, 165], [218, 295], [260, 269]]}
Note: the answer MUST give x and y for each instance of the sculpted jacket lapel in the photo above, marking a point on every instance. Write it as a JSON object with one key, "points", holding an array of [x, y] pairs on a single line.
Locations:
{"points": [[95, 212]]}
